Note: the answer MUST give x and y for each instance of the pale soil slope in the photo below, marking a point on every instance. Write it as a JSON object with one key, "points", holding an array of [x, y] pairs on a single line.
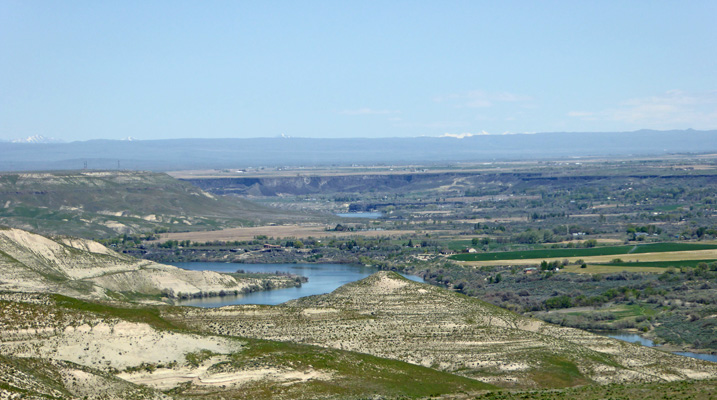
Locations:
{"points": [[388, 316], [78, 267], [86, 354]]}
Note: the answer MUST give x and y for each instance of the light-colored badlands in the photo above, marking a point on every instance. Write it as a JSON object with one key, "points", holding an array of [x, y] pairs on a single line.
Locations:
{"points": [[34, 326], [389, 316], [83, 268]]}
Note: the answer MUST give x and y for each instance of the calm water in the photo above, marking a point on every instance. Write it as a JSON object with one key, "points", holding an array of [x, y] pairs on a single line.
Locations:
{"points": [[369, 215], [323, 278], [635, 338]]}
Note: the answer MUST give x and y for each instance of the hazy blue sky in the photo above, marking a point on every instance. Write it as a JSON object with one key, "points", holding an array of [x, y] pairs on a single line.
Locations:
{"points": [[79, 70]]}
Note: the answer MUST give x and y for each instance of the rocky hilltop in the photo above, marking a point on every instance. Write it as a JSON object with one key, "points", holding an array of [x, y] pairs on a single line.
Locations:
{"points": [[389, 316], [83, 268]]}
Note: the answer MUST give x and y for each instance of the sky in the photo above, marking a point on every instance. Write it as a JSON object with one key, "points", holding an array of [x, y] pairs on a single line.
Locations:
{"points": [[80, 70]]}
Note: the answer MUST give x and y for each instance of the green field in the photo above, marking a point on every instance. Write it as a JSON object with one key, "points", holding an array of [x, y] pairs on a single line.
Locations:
{"points": [[586, 252], [459, 245], [665, 247], [622, 311]]}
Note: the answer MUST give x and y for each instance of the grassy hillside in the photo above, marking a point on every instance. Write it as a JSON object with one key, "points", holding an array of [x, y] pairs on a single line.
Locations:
{"points": [[100, 204], [388, 316], [53, 346], [38, 378], [85, 343]]}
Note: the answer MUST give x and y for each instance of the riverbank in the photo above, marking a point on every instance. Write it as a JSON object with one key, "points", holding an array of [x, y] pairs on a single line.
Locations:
{"points": [[256, 282], [633, 336], [316, 279]]}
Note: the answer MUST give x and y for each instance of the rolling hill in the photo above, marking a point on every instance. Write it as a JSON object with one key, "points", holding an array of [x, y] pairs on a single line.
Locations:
{"points": [[388, 316], [95, 204], [56, 347]]}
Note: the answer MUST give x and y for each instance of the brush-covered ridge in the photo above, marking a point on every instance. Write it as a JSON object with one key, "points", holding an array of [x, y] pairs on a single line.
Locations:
{"points": [[389, 316], [107, 203], [53, 346]]}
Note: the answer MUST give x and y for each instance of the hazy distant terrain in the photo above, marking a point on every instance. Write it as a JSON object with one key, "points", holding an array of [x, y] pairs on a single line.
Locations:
{"points": [[165, 155]]}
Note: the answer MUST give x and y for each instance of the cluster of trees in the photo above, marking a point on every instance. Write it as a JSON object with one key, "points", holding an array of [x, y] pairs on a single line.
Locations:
{"points": [[484, 241], [619, 294], [649, 229], [549, 266], [297, 244], [128, 239], [173, 244], [535, 216], [699, 232]]}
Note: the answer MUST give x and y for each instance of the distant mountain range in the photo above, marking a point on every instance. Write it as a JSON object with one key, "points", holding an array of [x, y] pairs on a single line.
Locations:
{"points": [[37, 139], [176, 154]]}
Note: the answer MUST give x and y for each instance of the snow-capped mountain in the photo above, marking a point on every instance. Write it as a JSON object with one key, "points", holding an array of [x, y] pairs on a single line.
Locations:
{"points": [[37, 139]]}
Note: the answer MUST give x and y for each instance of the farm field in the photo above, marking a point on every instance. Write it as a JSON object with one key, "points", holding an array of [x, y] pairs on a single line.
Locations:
{"points": [[625, 259], [586, 252], [637, 266], [664, 264]]}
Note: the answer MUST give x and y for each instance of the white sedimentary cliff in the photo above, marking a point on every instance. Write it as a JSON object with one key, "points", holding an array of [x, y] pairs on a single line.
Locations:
{"points": [[79, 267]]}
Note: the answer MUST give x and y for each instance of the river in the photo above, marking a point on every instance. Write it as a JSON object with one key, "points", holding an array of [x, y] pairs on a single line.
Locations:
{"points": [[635, 338], [323, 278], [368, 215]]}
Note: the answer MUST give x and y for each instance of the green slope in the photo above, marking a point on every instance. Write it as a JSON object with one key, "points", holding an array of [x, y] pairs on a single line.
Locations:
{"points": [[107, 203], [351, 375], [388, 316]]}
